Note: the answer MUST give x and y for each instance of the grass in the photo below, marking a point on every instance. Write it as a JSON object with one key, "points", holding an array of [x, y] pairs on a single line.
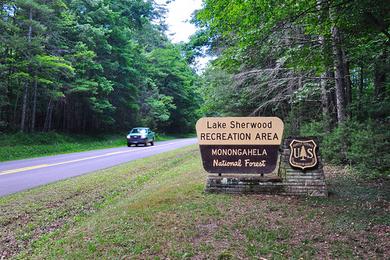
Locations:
{"points": [[21, 146], [155, 208]]}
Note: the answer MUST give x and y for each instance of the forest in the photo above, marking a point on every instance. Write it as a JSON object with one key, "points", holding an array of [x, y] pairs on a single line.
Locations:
{"points": [[92, 66], [81, 66], [320, 65]]}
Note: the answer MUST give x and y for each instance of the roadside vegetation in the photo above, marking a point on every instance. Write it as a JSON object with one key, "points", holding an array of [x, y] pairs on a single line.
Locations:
{"points": [[322, 66], [156, 208], [80, 66], [21, 145]]}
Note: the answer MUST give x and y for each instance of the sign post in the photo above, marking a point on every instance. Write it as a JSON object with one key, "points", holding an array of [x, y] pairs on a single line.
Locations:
{"points": [[239, 145]]}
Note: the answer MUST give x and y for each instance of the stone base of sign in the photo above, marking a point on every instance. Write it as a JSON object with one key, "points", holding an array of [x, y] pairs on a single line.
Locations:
{"points": [[310, 182], [290, 181], [244, 184]]}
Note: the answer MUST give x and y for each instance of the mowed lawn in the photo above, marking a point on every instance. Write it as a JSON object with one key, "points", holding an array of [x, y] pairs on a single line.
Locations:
{"points": [[156, 208]]}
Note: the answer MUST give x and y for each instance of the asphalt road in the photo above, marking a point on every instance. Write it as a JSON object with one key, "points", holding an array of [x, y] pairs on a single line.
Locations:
{"points": [[21, 175]]}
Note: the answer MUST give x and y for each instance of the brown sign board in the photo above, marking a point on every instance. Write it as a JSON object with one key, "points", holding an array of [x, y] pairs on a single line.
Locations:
{"points": [[239, 144], [303, 153]]}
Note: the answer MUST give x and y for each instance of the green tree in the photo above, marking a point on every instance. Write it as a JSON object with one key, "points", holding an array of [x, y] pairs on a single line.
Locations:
{"points": [[311, 62], [174, 78], [82, 66]]}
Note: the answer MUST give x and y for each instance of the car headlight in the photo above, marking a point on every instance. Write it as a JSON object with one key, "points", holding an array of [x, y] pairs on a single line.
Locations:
{"points": [[128, 136], [143, 136]]}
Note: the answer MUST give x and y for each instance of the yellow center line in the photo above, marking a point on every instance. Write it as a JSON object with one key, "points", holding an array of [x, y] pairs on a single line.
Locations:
{"points": [[24, 169], [78, 160]]}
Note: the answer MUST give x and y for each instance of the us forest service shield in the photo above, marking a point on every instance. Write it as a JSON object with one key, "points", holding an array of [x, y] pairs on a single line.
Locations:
{"points": [[303, 154]]}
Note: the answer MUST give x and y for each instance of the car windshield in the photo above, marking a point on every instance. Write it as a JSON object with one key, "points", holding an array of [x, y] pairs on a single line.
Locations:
{"points": [[138, 131]]}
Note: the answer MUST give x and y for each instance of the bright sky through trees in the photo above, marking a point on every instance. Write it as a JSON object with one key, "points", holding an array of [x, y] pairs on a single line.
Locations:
{"points": [[179, 26], [179, 14]]}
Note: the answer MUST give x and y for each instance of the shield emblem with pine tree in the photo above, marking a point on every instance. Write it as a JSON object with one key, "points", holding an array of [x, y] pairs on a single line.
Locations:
{"points": [[303, 154]]}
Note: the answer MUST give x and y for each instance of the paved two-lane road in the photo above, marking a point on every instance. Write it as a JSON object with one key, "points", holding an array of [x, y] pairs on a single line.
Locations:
{"points": [[20, 175]]}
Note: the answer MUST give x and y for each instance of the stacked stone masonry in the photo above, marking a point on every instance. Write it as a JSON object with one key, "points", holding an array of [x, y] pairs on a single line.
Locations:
{"points": [[290, 181], [309, 182], [244, 185]]}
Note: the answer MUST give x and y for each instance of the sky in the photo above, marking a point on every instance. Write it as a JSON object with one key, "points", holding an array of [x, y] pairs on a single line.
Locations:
{"points": [[179, 14], [179, 26]]}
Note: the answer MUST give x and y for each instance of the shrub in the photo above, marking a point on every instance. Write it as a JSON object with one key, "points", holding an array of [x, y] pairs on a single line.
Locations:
{"points": [[368, 150], [365, 146]]}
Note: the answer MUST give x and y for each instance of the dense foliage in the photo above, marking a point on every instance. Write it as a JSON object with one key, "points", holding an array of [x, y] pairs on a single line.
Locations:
{"points": [[90, 66], [321, 65]]}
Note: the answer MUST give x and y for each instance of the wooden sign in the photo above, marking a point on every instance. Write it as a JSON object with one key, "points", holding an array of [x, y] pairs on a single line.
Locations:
{"points": [[239, 144], [303, 153]]}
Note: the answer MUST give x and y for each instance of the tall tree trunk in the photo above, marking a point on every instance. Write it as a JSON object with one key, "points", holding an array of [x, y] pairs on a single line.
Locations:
{"points": [[64, 115], [347, 82], [325, 99], [380, 71], [69, 114], [338, 70], [340, 78], [324, 85], [46, 126], [325, 75], [24, 106], [34, 108], [295, 110], [9, 91], [324, 88], [84, 119], [29, 34], [360, 92], [332, 100], [15, 121], [50, 118]]}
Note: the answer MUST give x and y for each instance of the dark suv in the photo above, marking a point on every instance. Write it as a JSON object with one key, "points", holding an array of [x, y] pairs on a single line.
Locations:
{"points": [[140, 135]]}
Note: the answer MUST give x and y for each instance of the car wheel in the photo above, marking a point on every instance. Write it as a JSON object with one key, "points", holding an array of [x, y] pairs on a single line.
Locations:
{"points": [[128, 145], [152, 142]]}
